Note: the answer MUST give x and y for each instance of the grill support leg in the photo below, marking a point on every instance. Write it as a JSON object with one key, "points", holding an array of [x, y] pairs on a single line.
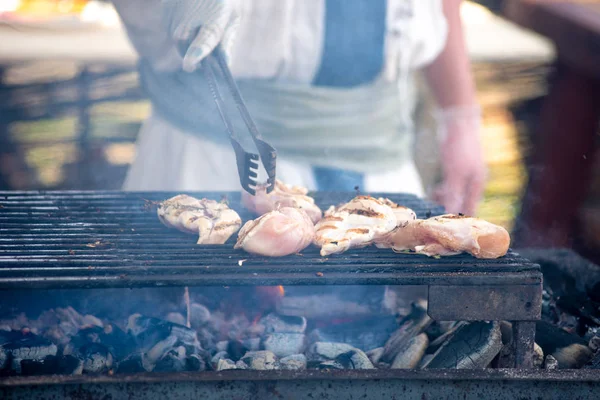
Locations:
{"points": [[523, 340]]}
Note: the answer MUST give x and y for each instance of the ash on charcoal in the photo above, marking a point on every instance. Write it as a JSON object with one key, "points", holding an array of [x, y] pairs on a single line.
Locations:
{"points": [[174, 361], [67, 365], [90, 320], [355, 359], [440, 340], [96, 358], [538, 356], [221, 355], [18, 346], [550, 362], [472, 346], [295, 362], [176, 318], [366, 334], [411, 354], [260, 360], [275, 323], [323, 351], [224, 364], [157, 337], [375, 355], [410, 326], [568, 349], [284, 344]]}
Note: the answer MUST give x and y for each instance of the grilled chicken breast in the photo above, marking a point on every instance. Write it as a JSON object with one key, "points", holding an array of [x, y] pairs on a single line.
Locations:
{"points": [[283, 195], [277, 233], [448, 234], [213, 221], [352, 225], [402, 213]]}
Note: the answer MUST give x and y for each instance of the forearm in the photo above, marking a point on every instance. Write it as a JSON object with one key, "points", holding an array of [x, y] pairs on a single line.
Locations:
{"points": [[449, 75]]}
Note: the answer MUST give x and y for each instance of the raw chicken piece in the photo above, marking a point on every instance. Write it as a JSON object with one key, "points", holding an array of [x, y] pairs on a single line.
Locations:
{"points": [[402, 213], [277, 233], [283, 195], [353, 225], [213, 221], [449, 234]]}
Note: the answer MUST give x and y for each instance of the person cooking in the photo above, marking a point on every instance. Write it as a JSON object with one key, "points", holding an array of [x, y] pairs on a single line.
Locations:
{"points": [[329, 83]]}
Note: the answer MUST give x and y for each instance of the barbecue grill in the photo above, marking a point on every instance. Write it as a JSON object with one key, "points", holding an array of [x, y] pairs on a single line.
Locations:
{"points": [[64, 240]]}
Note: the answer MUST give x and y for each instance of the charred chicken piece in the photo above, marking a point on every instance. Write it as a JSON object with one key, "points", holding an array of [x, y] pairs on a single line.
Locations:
{"points": [[353, 225], [277, 233], [448, 234], [283, 195], [213, 221]]}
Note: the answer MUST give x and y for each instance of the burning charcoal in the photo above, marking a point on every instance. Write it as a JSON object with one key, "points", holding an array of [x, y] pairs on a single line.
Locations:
{"points": [[200, 315], [538, 356], [323, 351], [132, 364], [219, 356], [550, 362], [330, 364], [366, 334], [355, 359], [283, 324], [294, 362], [17, 346], [252, 344], [50, 365], [568, 349], [175, 318], [594, 344], [236, 349], [173, 361], [260, 360], [472, 346], [410, 326], [159, 350], [410, 356], [284, 344], [375, 354], [225, 364], [222, 345], [195, 363], [148, 332], [96, 358]]}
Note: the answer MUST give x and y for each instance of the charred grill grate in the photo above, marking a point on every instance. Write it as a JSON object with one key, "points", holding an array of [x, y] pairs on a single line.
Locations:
{"points": [[113, 239]]}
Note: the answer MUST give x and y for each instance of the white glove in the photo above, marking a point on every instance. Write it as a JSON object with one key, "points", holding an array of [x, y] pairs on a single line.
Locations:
{"points": [[202, 23]]}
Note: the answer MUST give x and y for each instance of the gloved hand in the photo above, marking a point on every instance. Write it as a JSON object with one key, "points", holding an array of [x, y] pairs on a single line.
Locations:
{"points": [[464, 169], [202, 23]]}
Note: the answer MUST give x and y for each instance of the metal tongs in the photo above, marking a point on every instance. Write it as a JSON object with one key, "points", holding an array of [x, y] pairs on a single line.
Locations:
{"points": [[247, 162]]}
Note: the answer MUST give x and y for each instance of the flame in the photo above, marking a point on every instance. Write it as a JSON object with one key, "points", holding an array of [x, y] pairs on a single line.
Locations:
{"points": [[281, 290]]}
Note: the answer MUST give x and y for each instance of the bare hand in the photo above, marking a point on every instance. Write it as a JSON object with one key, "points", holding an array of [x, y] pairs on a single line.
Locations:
{"points": [[463, 167]]}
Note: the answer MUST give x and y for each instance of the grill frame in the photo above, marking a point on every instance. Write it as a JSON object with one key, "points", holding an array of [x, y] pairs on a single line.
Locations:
{"points": [[88, 239]]}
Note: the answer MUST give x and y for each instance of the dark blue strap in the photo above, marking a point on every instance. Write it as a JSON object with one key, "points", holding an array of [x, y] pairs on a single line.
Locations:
{"points": [[353, 43], [337, 180]]}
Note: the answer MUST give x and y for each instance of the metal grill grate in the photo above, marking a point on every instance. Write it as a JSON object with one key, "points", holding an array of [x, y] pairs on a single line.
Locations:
{"points": [[112, 239]]}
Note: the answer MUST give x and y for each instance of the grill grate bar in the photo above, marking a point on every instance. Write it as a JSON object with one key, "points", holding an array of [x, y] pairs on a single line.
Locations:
{"points": [[113, 239]]}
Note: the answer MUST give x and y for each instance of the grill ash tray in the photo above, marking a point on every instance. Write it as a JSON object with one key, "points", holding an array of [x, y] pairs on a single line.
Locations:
{"points": [[51, 240]]}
